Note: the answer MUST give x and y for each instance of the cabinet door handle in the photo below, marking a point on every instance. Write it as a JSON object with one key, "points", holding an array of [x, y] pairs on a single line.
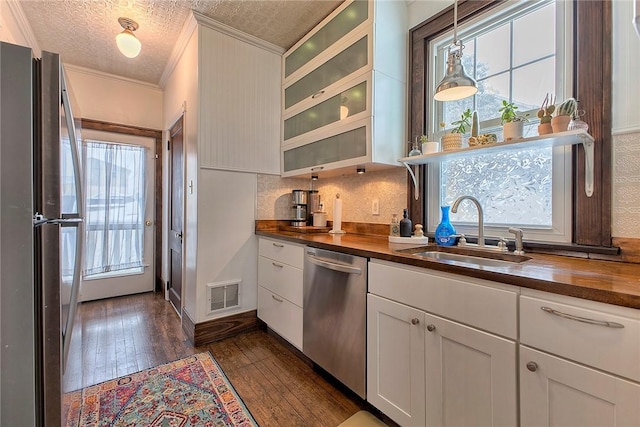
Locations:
{"points": [[582, 319], [277, 299], [431, 328], [275, 264], [317, 94], [278, 245], [532, 366], [415, 321], [317, 168]]}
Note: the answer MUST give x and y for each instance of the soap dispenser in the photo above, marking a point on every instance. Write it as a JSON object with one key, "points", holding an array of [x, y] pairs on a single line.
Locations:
{"points": [[445, 233], [405, 225]]}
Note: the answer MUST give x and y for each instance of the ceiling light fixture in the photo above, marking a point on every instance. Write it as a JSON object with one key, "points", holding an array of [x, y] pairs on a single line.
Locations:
{"points": [[456, 84], [127, 42]]}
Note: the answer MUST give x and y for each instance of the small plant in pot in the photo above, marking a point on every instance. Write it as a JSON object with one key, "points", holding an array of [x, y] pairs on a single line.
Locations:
{"points": [[453, 140], [512, 122], [544, 114], [564, 111]]}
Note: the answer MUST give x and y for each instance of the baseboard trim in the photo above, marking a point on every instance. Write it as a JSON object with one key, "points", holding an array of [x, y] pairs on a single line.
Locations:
{"points": [[218, 329]]}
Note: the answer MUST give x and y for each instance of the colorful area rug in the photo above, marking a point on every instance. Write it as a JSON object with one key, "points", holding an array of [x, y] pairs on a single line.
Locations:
{"points": [[188, 392]]}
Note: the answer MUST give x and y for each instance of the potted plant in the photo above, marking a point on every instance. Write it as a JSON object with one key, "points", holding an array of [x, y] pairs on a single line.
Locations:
{"points": [[512, 122], [544, 114], [560, 122], [453, 140]]}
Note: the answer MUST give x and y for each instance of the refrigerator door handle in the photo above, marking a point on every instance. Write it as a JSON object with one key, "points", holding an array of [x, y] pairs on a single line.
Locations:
{"points": [[75, 155]]}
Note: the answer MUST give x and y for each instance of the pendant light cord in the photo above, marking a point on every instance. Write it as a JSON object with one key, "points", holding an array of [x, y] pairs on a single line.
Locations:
{"points": [[455, 22]]}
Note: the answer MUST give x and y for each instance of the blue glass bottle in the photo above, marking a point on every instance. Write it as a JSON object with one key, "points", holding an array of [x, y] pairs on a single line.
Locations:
{"points": [[444, 230]]}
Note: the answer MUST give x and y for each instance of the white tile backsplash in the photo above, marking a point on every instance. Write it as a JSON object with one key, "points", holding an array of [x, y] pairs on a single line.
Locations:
{"points": [[357, 192], [625, 197]]}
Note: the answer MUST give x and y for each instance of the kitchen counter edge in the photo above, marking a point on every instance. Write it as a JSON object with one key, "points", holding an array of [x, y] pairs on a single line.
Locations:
{"points": [[603, 281]]}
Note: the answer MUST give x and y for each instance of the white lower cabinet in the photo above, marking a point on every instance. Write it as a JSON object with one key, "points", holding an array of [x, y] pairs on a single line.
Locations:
{"points": [[579, 362], [426, 370], [280, 273], [395, 360], [470, 376], [557, 392]]}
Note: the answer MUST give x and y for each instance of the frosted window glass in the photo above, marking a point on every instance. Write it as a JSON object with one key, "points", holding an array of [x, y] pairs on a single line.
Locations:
{"points": [[513, 187]]}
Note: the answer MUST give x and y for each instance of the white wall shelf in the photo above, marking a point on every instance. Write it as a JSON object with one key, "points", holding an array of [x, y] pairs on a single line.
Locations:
{"points": [[571, 137]]}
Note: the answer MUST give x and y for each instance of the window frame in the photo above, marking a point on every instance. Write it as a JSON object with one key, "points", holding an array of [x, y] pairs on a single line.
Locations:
{"points": [[591, 85]]}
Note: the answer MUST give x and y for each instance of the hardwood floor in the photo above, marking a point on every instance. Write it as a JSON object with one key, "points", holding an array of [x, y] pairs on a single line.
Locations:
{"points": [[124, 335]]}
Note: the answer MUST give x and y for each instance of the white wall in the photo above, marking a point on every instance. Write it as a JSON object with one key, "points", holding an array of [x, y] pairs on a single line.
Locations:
{"points": [[14, 27], [227, 246], [115, 99], [626, 63]]}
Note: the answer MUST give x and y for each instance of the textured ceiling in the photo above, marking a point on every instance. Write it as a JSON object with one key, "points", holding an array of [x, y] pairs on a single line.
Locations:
{"points": [[83, 31]]}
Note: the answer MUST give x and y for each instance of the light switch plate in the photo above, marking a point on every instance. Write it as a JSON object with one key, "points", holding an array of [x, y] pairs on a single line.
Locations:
{"points": [[375, 206]]}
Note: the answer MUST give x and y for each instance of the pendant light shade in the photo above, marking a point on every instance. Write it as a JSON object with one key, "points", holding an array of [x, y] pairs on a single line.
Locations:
{"points": [[127, 42], [456, 84]]}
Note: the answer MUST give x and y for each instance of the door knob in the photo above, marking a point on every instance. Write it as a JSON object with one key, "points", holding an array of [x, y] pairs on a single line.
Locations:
{"points": [[148, 223], [431, 328], [532, 366], [415, 321]]}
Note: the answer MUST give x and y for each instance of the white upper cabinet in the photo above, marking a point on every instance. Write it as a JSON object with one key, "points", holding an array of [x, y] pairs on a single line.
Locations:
{"points": [[344, 91], [238, 87]]}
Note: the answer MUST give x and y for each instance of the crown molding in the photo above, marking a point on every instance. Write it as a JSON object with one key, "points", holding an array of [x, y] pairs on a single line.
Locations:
{"points": [[108, 76], [230, 31], [189, 26], [24, 27]]}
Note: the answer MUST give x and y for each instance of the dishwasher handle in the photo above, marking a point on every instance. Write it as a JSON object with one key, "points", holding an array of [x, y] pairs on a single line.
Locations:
{"points": [[333, 266]]}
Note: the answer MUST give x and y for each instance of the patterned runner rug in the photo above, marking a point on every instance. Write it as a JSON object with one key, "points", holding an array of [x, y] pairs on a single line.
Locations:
{"points": [[188, 392]]}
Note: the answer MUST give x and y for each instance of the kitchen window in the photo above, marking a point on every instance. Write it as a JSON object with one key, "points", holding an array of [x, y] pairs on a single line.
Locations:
{"points": [[506, 43], [528, 188]]}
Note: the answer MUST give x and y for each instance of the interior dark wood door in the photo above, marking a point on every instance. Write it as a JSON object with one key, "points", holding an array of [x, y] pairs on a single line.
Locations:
{"points": [[176, 214]]}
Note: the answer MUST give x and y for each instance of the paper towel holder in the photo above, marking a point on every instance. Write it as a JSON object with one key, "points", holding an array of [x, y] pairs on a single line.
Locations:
{"points": [[337, 216]]}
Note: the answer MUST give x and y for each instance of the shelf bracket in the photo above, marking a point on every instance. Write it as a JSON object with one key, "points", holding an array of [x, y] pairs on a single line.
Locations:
{"points": [[414, 178], [588, 144]]}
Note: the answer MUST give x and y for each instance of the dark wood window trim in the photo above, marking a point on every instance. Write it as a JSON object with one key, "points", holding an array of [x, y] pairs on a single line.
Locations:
{"points": [[157, 135], [591, 86]]}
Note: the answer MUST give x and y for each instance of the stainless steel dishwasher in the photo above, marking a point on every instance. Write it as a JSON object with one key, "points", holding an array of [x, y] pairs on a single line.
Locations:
{"points": [[334, 316]]}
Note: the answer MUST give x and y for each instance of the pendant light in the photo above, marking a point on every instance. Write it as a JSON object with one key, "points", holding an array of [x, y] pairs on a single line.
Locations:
{"points": [[127, 42], [456, 84]]}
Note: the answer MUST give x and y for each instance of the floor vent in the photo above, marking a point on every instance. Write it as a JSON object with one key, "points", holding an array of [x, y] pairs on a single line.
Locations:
{"points": [[223, 295]]}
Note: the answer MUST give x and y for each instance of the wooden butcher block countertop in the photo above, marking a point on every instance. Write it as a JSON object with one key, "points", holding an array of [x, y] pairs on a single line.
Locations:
{"points": [[604, 281]]}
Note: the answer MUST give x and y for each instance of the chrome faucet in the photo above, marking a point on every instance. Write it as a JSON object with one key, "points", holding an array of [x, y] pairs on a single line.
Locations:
{"points": [[454, 209]]}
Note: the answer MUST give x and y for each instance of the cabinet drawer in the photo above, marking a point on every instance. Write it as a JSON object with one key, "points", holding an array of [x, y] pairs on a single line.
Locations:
{"points": [[281, 278], [286, 253], [577, 331], [281, 315], [465, 300]]}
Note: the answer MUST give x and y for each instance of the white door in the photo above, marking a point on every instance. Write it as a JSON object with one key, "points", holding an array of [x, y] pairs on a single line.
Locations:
{"points": [[116, 223], [395, 360], [556, 392], [471, 376]]}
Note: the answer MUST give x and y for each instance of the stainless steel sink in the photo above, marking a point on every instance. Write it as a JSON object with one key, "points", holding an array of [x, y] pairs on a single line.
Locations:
{"points": [[468, 256], [469, 259]]}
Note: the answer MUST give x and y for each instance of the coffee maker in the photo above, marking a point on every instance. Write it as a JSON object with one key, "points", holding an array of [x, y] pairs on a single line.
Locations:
{"points": [[299, 200]]}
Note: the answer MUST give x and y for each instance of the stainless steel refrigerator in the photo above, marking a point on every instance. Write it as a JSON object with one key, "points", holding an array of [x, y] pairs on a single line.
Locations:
{"points": [[41, 235]]}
